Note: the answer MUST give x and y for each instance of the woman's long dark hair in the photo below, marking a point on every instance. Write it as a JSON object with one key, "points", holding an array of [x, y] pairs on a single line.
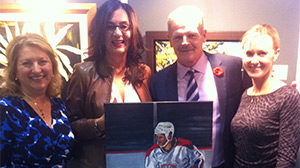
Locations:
{"points": [[97, 50]]}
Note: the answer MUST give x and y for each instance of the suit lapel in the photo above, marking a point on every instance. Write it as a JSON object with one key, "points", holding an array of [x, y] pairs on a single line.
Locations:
{"points": [[220, 84], [171, 83]]}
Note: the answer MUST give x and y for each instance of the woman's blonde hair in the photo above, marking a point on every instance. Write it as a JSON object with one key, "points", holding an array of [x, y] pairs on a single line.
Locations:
{"points": [[262, 29], [11, 86]]}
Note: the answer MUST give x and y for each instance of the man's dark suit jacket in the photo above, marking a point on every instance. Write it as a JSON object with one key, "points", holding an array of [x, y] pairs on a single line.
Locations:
{"points": [[230, 87]]}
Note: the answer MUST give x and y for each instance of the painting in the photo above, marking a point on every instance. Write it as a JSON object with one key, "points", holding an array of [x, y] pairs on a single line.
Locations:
{"points": [[66, 30], [160, 54], [132, 129]]}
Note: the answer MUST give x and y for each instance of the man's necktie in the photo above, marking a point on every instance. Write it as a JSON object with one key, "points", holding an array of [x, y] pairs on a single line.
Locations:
{"points": [[192, 87]]}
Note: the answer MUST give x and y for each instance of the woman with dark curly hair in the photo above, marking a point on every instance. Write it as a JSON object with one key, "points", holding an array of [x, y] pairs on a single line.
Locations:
{"points": [[114, 72]]}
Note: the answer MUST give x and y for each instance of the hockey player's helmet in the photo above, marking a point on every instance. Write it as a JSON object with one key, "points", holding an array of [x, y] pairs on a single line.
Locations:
{"points": [[165, 128]]}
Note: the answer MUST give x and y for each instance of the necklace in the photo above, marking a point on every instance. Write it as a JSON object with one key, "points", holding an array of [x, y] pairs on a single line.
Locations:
{"points": [[40, 110], [36, 107]]}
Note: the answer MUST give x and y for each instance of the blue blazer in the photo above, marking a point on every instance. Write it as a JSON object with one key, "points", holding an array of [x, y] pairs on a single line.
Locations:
{"points": [[230, 87]]}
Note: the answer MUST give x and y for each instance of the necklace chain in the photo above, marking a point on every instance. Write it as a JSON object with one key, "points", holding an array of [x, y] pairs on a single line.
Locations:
{"points": [[40, 110]]}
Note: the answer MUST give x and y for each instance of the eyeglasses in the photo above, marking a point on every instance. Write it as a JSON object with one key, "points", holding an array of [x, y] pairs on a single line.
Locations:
{"points": [[123, 27]]}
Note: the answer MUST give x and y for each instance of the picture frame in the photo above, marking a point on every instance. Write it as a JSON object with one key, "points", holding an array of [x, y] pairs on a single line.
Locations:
{"points": [[130, 128], [68, 30], [225, 42]]}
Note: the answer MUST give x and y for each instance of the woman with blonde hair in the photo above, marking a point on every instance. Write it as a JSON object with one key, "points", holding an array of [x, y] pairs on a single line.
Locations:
{"points": [[266, 126], [35, 131]]}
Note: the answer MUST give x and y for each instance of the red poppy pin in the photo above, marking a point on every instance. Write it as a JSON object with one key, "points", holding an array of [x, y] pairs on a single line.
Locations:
{"points": [[218, 71]]}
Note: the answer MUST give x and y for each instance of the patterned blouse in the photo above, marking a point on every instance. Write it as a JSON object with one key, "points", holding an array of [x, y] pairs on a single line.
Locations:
{"points": [[26, 140], [266, 129]]}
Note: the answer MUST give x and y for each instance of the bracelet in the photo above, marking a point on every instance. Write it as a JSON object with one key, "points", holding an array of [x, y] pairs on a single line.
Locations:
{"points": [[98, 132]]}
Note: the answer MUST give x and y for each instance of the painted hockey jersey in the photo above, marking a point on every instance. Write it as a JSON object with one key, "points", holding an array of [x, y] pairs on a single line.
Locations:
{"points": [[183, 154]]}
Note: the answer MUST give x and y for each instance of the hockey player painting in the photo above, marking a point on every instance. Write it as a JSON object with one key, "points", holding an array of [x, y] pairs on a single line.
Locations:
{"points": [[171, 152]]}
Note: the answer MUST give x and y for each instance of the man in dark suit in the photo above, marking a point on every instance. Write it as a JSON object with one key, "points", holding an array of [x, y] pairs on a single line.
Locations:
{"points": [[215, 77]]}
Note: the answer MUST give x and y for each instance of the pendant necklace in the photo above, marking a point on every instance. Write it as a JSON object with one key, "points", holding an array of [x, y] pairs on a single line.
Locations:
{"points": [[37, 108], [40, 110]]}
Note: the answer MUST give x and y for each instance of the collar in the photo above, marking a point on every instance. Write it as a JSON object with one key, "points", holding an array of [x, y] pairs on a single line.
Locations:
{"points": [[200, 66]]}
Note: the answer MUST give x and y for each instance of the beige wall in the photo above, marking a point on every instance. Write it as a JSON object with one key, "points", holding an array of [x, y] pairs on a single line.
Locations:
{"points": [[233, 15], [228, 15]]}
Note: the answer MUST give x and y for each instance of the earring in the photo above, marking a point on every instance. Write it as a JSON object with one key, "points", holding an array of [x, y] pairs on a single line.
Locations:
{"points": [[16, 78]]}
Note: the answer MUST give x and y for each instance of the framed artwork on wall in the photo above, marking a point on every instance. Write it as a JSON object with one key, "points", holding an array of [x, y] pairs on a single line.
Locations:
{"points": [[65, 26], [160, 54]]}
